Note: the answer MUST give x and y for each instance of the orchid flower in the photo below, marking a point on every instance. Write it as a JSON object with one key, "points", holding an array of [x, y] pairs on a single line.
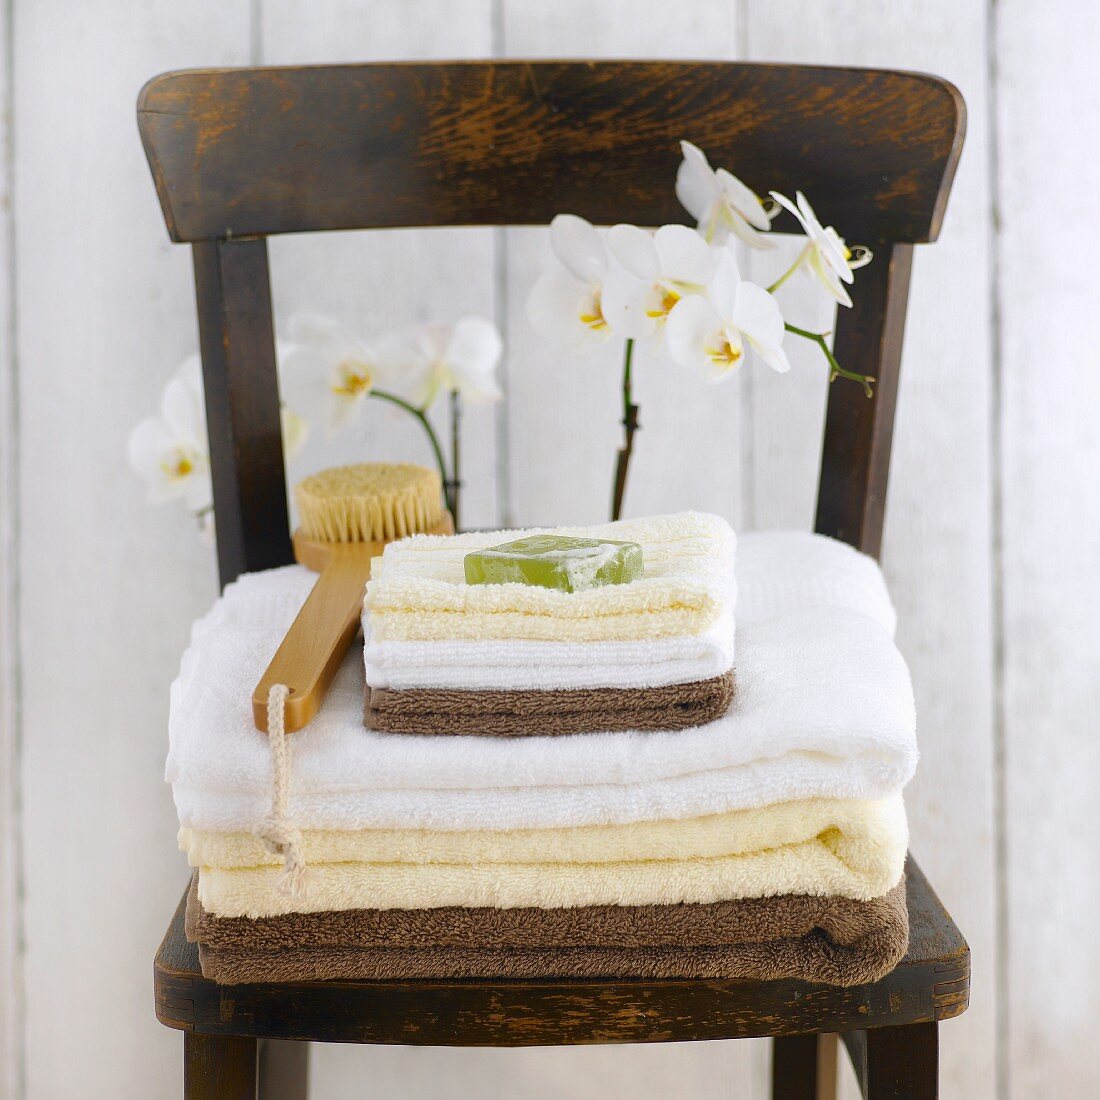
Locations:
{"points": [[566, 304], [709, 333], [658, 270], [825, 256], [720, 202], [329, 369], [169, 451], [461, 358]]}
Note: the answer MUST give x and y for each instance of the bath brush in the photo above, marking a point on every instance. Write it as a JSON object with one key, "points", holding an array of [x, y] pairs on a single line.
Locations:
{"points": [[347, 515]]}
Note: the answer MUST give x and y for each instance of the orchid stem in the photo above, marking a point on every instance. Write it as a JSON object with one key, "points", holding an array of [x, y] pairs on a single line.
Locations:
{"points": [[433, 439], [456, 481], [835, 369], [630, 426], [788, 273]]}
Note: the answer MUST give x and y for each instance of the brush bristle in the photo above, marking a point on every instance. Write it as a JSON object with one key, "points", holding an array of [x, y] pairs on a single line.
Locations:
{"points": [[371, 502]]}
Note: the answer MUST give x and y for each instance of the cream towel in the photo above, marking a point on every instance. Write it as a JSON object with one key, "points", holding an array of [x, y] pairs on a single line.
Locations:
{"points": [[868, 823], [417, 589], [863, 861]]}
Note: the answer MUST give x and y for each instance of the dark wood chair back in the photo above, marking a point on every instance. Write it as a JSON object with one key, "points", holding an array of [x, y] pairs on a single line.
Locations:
{"points": [[240, 154]]}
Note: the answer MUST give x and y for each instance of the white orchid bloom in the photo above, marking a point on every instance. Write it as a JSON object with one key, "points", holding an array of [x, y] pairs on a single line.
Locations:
{"points": [[461, 358], [295, 432], [328, 370], [709, 332], [566, 304], [825, 256], [657, 271], [720, 202], [169, 452]]}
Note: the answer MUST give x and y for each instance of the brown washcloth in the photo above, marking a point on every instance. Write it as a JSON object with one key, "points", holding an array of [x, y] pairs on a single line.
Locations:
{"points": [[545, 713], [838, 941]]}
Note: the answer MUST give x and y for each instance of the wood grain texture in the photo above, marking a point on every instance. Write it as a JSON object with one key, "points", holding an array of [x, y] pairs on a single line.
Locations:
{"points": [[221, 1067], [859, 431], [930, 984], [1049, 531], [365, 146], [237, 341], [110, 585], [896, 1063], [937, 537]]}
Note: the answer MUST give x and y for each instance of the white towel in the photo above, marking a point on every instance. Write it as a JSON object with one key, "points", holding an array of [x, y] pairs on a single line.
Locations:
{"points": [[524, 665], [824, 708]]}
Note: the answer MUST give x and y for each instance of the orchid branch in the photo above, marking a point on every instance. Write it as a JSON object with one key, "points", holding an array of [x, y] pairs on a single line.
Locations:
{"points": [[799, 260], [835, 369], [421, 416], [630, 426]]}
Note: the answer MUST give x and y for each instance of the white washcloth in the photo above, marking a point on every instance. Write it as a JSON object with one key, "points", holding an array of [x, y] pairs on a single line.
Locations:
{"points": [[823, 708], [523, 665]]}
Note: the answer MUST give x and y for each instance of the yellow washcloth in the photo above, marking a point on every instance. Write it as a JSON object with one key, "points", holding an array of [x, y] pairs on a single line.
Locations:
{"points": [[417, 589]]}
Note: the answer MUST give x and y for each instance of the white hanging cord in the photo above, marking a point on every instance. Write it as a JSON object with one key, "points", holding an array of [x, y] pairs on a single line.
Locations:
{"points": [[278, 833]]}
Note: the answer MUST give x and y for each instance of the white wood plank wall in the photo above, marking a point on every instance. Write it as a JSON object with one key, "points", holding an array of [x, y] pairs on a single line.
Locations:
{"points": [[992, 541]]}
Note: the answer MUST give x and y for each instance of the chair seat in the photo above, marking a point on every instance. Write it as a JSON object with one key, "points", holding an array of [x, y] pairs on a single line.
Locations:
{"points": [[931, 983]]}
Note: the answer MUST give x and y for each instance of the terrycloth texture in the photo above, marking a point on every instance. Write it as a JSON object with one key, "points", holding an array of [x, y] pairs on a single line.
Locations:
{"points": [[418, 590], [520, 665], [860, 861], [777, 571], [823, 708], [781, 571], [448, 712], [869, 835], [832, 940], [717, 924]]}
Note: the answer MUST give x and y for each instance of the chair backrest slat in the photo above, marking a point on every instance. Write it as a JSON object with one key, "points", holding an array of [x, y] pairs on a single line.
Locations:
{"points": [[237, 344], [241, 154], [237, 152], [855, 457]]}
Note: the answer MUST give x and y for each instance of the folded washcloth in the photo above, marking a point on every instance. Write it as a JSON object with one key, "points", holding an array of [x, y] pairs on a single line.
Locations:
{"points": [[868, 835], [418, 590], [450, 712], [521, 665], [860, 856], [832, 940], [823, 708], [777, 571]]}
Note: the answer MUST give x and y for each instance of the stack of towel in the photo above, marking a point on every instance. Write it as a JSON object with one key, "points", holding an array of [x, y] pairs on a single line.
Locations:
{"points": [[767, 839]]}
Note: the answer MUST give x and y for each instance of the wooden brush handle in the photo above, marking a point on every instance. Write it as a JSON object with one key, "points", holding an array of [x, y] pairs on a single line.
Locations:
{"points": [[317, 640]]}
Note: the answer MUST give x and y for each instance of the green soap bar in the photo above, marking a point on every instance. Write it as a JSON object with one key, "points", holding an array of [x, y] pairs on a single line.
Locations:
{"points": [[556, 561]]}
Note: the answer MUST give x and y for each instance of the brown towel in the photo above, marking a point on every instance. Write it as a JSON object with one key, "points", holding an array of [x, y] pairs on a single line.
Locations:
{"points": [[832, 940], [545, 713]]}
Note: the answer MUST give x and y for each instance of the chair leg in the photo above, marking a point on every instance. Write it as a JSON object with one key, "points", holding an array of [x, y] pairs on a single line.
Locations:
{"points": [[284, 1070], [218, 1067], [804, 1067], [896, 1063]]}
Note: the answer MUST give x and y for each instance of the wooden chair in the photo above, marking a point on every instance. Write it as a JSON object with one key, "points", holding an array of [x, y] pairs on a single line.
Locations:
{"points": [[240, 154]]}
